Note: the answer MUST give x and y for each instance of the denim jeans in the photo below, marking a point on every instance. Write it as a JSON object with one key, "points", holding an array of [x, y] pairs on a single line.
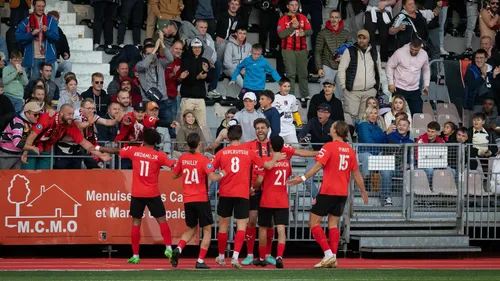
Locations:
{"points": [[311, 186], [363, 160], [443, 15], [63, 67], [215, 76], [34, 71], [168, 112], [386, 187], [472, 15], [17, 103]]}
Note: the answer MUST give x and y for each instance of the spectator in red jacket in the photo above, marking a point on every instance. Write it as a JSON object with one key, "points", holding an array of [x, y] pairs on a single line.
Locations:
{"points": [[127, 85], [172, 76]]}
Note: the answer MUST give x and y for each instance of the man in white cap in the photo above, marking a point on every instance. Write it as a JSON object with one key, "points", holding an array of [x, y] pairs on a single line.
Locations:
{"points": [[12, 138], [247, 115]]}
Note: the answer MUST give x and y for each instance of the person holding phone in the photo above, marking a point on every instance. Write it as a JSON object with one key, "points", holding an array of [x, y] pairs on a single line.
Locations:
{"points": [[70, 94]]}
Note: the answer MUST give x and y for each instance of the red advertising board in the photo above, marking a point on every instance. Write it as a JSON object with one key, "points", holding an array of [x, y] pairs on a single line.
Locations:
{"points": [[81, 207]]}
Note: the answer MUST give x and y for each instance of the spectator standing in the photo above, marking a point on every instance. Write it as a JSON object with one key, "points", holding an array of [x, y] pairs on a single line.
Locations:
{"points": [[104, 14], [127, 8], [51, 88], [359, 74], [378, 16], [227, 24], [121, 71], [210, 54], [268, 20], [172, 79], [255, 68], [123, 98], [319, 129], [272, 114], [13, 138], [235, 52], [129, 85], [38, 34], [4, 53], [247, 115], [326, 56], [152, 74], [161, 9], [443, 17], [63, 66], [153, 110], [19, 10], [472, 15], [70, 95], [326, 96], [410, 23], [15, 79], [193, 90], [293, 28], [404, 69], [287, 107], [108, 133], [201, 10], [97, 94], [489, 22], [477, 82]]}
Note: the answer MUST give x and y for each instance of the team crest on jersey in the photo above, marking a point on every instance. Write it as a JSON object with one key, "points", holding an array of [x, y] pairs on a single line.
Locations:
{"points": [[39, 126], [210, 166], [285, 102]]}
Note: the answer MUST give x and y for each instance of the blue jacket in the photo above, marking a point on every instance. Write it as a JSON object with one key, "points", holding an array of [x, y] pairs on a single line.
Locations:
{"points": [[255, 73], [26, 40], [396, 138], [476, 89], [371, 133], [274, 118]]}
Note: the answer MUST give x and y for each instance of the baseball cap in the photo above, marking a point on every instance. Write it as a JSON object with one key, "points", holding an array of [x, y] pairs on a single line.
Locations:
{"points": [[140, 106], [196, 43], [152, 105], [32, 106], [250, 95], [325, 107], [328, 81], [232, 122], [364, 32], [162, 23]]}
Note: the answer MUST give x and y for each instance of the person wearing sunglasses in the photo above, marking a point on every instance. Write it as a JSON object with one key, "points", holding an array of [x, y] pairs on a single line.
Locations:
{"points": [[489, 19], [12, 139], [98, 94]]}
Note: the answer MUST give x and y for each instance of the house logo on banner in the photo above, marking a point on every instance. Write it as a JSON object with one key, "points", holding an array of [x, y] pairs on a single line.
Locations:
{"points": [[32, 214]]}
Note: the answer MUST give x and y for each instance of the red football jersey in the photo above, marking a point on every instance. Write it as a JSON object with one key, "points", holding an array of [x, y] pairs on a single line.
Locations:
{"points": [[236, 162], [194, 168], [264, 151], [274, 188], [133, 132], [338, 159], [50, 130], [146, 164]]}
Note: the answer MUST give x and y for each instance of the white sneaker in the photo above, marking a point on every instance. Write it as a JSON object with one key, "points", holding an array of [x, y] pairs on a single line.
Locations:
{"points": [[213, 94], [388, 202], [221, 262], [121, 45], [235, 263], [443, 52], [96, 46]]}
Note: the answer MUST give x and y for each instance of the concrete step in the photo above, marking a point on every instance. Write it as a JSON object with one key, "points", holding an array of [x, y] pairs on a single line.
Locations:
{"points": [[357, 234], [87, 57], [80, 44], [467, 249], [77, 31], [89, 68], [422, 241], [67, 19]]}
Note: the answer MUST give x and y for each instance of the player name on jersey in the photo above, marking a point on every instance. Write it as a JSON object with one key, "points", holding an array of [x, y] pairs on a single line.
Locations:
{"points": [[146, 155], [190, 162], [235, 151]]}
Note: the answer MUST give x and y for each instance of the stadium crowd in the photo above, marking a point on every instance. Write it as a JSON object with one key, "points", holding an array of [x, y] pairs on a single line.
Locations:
{"points": [[166, 82]]}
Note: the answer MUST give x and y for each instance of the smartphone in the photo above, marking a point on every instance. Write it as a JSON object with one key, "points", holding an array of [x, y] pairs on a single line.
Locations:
{"points": [[393, 122]]}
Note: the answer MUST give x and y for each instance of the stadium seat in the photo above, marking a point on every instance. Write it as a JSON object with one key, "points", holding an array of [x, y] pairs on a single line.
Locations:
{"points": [[421, 120], [447, 108], [443, 118], [417, 132], [475, 185], [428, 108], [444, 183], [418, 179], [348, 119]]}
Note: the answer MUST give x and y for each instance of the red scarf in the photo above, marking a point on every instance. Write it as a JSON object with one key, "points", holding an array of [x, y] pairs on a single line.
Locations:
{"points": [[33, 24], [330, 27]]}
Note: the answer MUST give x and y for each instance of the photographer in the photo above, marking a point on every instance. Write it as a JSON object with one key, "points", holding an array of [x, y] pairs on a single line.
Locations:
{"points": [[269, 17]]}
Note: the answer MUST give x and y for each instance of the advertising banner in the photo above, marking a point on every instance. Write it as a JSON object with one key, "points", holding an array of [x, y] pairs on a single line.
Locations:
{"points": [[81, 207]]}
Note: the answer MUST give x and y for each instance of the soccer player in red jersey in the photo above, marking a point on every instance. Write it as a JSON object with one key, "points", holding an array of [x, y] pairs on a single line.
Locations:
{"points": [[50, 129], [146, 163], [195, 168], [262, 147], [338, 161], [274, 205], [237, 161]]}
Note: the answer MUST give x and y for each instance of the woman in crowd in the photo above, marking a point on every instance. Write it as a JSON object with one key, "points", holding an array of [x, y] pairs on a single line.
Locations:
{"points": [[70, 95], [398, 105]]}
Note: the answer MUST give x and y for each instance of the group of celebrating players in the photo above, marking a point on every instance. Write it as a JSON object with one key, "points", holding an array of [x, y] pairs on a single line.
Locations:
{"points": [[254, 181]]}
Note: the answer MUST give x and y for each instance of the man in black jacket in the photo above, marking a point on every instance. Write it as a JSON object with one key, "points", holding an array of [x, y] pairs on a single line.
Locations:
{"points": [[327, 95], [96, 92], [226, 25], [51, 88], [105, 133], [63, 66], [193, 90]]}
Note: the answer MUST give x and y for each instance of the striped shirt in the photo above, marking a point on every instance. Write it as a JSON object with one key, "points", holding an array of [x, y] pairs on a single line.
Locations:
{"points": [[294, 42], [14, 135]]}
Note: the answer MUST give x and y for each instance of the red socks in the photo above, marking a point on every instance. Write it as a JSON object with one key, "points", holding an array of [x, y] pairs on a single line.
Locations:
{"points": [[281, 250], [320, 237], [203, 253], [250, 238], [262, 252], [165, 233], [270, 236], [222, 242], [181, 244], [334, 236], [238, 240], [135, 237]]}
